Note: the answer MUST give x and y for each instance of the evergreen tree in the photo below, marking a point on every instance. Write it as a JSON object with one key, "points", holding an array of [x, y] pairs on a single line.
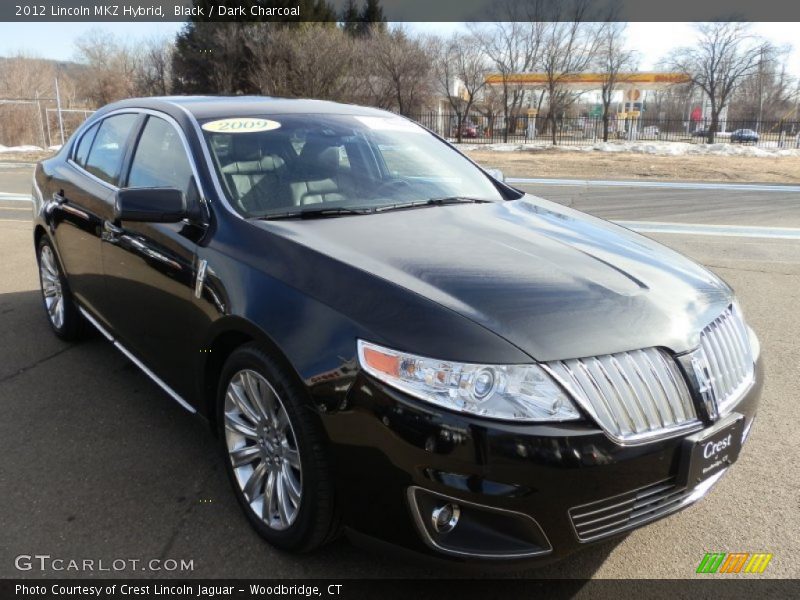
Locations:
{"points": [[211, 56], [371, 19], [351, 18]]}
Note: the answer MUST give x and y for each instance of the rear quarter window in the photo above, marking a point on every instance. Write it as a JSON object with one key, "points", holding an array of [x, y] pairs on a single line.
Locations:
{"points": [[84, 145]]}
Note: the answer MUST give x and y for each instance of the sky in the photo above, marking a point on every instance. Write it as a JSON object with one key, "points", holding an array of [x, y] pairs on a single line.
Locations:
{"points": [[652, 41]]}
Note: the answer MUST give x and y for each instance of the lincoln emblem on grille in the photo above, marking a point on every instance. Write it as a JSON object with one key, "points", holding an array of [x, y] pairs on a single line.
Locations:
{"points": [[704, 384]]}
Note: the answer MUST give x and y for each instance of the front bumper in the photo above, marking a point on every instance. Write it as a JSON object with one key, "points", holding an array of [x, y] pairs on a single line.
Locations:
{"points": [[392, 453]]}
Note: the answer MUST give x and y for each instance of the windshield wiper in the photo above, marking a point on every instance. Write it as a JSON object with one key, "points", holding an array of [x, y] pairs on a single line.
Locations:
{"points": [[321, 213], [443, 201], [318, 213]]}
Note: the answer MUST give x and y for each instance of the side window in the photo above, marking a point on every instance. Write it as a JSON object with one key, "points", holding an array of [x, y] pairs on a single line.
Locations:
{"points": [[108, 149], [160, 159], [85, 143]]}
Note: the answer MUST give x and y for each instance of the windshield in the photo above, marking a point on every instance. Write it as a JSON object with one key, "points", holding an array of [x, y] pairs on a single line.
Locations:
{"points": [[336, 164]]}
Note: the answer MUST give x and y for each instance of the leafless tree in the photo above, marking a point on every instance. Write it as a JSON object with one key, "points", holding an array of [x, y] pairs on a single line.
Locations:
{"points": [[154, 67], [569, 48], [724, 55], [513, 44], [460, 70], [613, 60], [313, 61], [110, 67], [404, 63], [768, 92]]}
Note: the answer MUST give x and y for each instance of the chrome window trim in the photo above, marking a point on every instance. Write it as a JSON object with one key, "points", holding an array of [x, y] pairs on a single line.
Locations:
{"points": [[154, 113], [94, 178], [82, 131], [412, 502], [156, 379], [209, 162], [88, 126]]}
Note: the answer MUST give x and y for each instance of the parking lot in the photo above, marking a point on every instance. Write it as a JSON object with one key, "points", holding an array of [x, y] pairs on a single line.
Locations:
{"points": [[96, 462]]}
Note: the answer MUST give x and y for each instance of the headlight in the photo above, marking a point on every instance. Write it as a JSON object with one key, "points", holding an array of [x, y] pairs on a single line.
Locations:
{"points": [[514, 392]]}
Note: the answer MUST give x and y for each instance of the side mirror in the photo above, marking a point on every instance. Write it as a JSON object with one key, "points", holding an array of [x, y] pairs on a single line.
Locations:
{"points": [[154, 205], [496, 174]]}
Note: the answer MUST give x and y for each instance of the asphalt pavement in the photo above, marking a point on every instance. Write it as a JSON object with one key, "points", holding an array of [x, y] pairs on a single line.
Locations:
{"points": [[97, 463]]}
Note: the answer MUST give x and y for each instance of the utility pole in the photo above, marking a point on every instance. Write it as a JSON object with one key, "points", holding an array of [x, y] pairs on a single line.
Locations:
{"points": [[41, 121], [797, 102], [760, 89], [60, 119]]}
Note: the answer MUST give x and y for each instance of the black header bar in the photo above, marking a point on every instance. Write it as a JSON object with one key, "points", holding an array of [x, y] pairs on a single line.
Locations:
{"points": [[396, 10]]}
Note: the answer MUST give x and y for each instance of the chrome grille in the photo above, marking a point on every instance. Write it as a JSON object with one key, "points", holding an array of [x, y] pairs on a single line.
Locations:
{"points": [[726, 361], [626, 511], [634, 396]]}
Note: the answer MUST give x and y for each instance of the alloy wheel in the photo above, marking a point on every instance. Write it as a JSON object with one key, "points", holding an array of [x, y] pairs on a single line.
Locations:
{"points": [[262, 448], [51, 287]]}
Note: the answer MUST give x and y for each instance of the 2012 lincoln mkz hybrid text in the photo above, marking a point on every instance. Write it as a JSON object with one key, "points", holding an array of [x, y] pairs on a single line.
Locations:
{"points": [[387, 339]]}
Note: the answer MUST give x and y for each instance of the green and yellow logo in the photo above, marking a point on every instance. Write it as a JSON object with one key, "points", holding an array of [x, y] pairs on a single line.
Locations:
{"points": [[734, 562]]}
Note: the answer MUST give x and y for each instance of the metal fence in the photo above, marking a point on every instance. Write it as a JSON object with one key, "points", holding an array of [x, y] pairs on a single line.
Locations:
{"points": [[578, 131], [37, 122]]}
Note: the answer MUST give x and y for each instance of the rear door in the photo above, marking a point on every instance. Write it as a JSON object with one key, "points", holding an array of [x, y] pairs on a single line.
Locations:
{"points": [[150, 268], [81, 195]]}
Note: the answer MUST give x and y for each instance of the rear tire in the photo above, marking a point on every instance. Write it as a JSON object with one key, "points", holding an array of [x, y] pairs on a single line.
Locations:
{"points": [[59, 304], [274, 452]]}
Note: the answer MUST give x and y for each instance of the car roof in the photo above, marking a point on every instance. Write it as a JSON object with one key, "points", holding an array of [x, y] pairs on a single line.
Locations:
{"points": [[207, 107]]}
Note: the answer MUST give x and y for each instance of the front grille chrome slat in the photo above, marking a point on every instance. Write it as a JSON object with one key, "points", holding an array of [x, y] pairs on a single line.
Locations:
{"points": [[634, 396], [725, 349], [606, 517], [642, 395]]}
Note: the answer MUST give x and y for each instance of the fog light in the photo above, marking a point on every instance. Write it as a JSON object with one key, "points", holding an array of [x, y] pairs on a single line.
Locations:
{"points": [[445, 517]]}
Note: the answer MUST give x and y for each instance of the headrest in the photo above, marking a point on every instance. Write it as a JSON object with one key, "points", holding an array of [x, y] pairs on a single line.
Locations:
{"points": [[245, 147], [267, 163], [319, 155]]}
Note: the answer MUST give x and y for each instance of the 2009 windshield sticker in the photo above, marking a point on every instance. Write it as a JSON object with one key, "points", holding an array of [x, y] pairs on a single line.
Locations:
{"points": [[241, 125]]}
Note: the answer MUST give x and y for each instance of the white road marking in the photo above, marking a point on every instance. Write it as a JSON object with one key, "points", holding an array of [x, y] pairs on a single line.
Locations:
{"points": [[18, 165], [782, 233], [675, 185], [15, 197]]}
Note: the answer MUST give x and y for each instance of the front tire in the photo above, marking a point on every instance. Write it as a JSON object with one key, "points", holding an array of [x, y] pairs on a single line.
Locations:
{"points": [[274, 452], [62, 312]]}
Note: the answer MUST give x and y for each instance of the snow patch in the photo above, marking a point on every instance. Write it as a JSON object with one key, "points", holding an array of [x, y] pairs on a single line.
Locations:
{"points": [[20, 148], [767, 150]]}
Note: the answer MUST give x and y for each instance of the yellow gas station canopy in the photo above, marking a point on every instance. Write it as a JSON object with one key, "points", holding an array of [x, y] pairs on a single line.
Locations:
{"points": [[590, 81]]}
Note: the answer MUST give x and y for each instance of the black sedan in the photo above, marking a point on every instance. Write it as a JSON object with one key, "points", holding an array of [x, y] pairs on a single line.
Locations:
{"points": [[744, 135], [387, 340]]}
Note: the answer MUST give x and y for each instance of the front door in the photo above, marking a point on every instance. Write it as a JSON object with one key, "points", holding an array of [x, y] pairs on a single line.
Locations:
{"points": [[150, 268]]}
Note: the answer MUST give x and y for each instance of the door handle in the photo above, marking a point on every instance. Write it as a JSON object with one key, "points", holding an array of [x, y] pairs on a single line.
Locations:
{"points": [[111, 232], [57, 200]]}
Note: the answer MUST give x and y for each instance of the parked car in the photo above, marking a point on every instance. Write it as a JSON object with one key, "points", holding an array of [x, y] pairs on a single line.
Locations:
{"points": [[385, 338], [651, 131], [468, 130], [744, 135], [703, 133]]}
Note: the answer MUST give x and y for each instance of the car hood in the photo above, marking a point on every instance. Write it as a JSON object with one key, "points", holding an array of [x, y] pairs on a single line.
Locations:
{"points": [[555, 282]]}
